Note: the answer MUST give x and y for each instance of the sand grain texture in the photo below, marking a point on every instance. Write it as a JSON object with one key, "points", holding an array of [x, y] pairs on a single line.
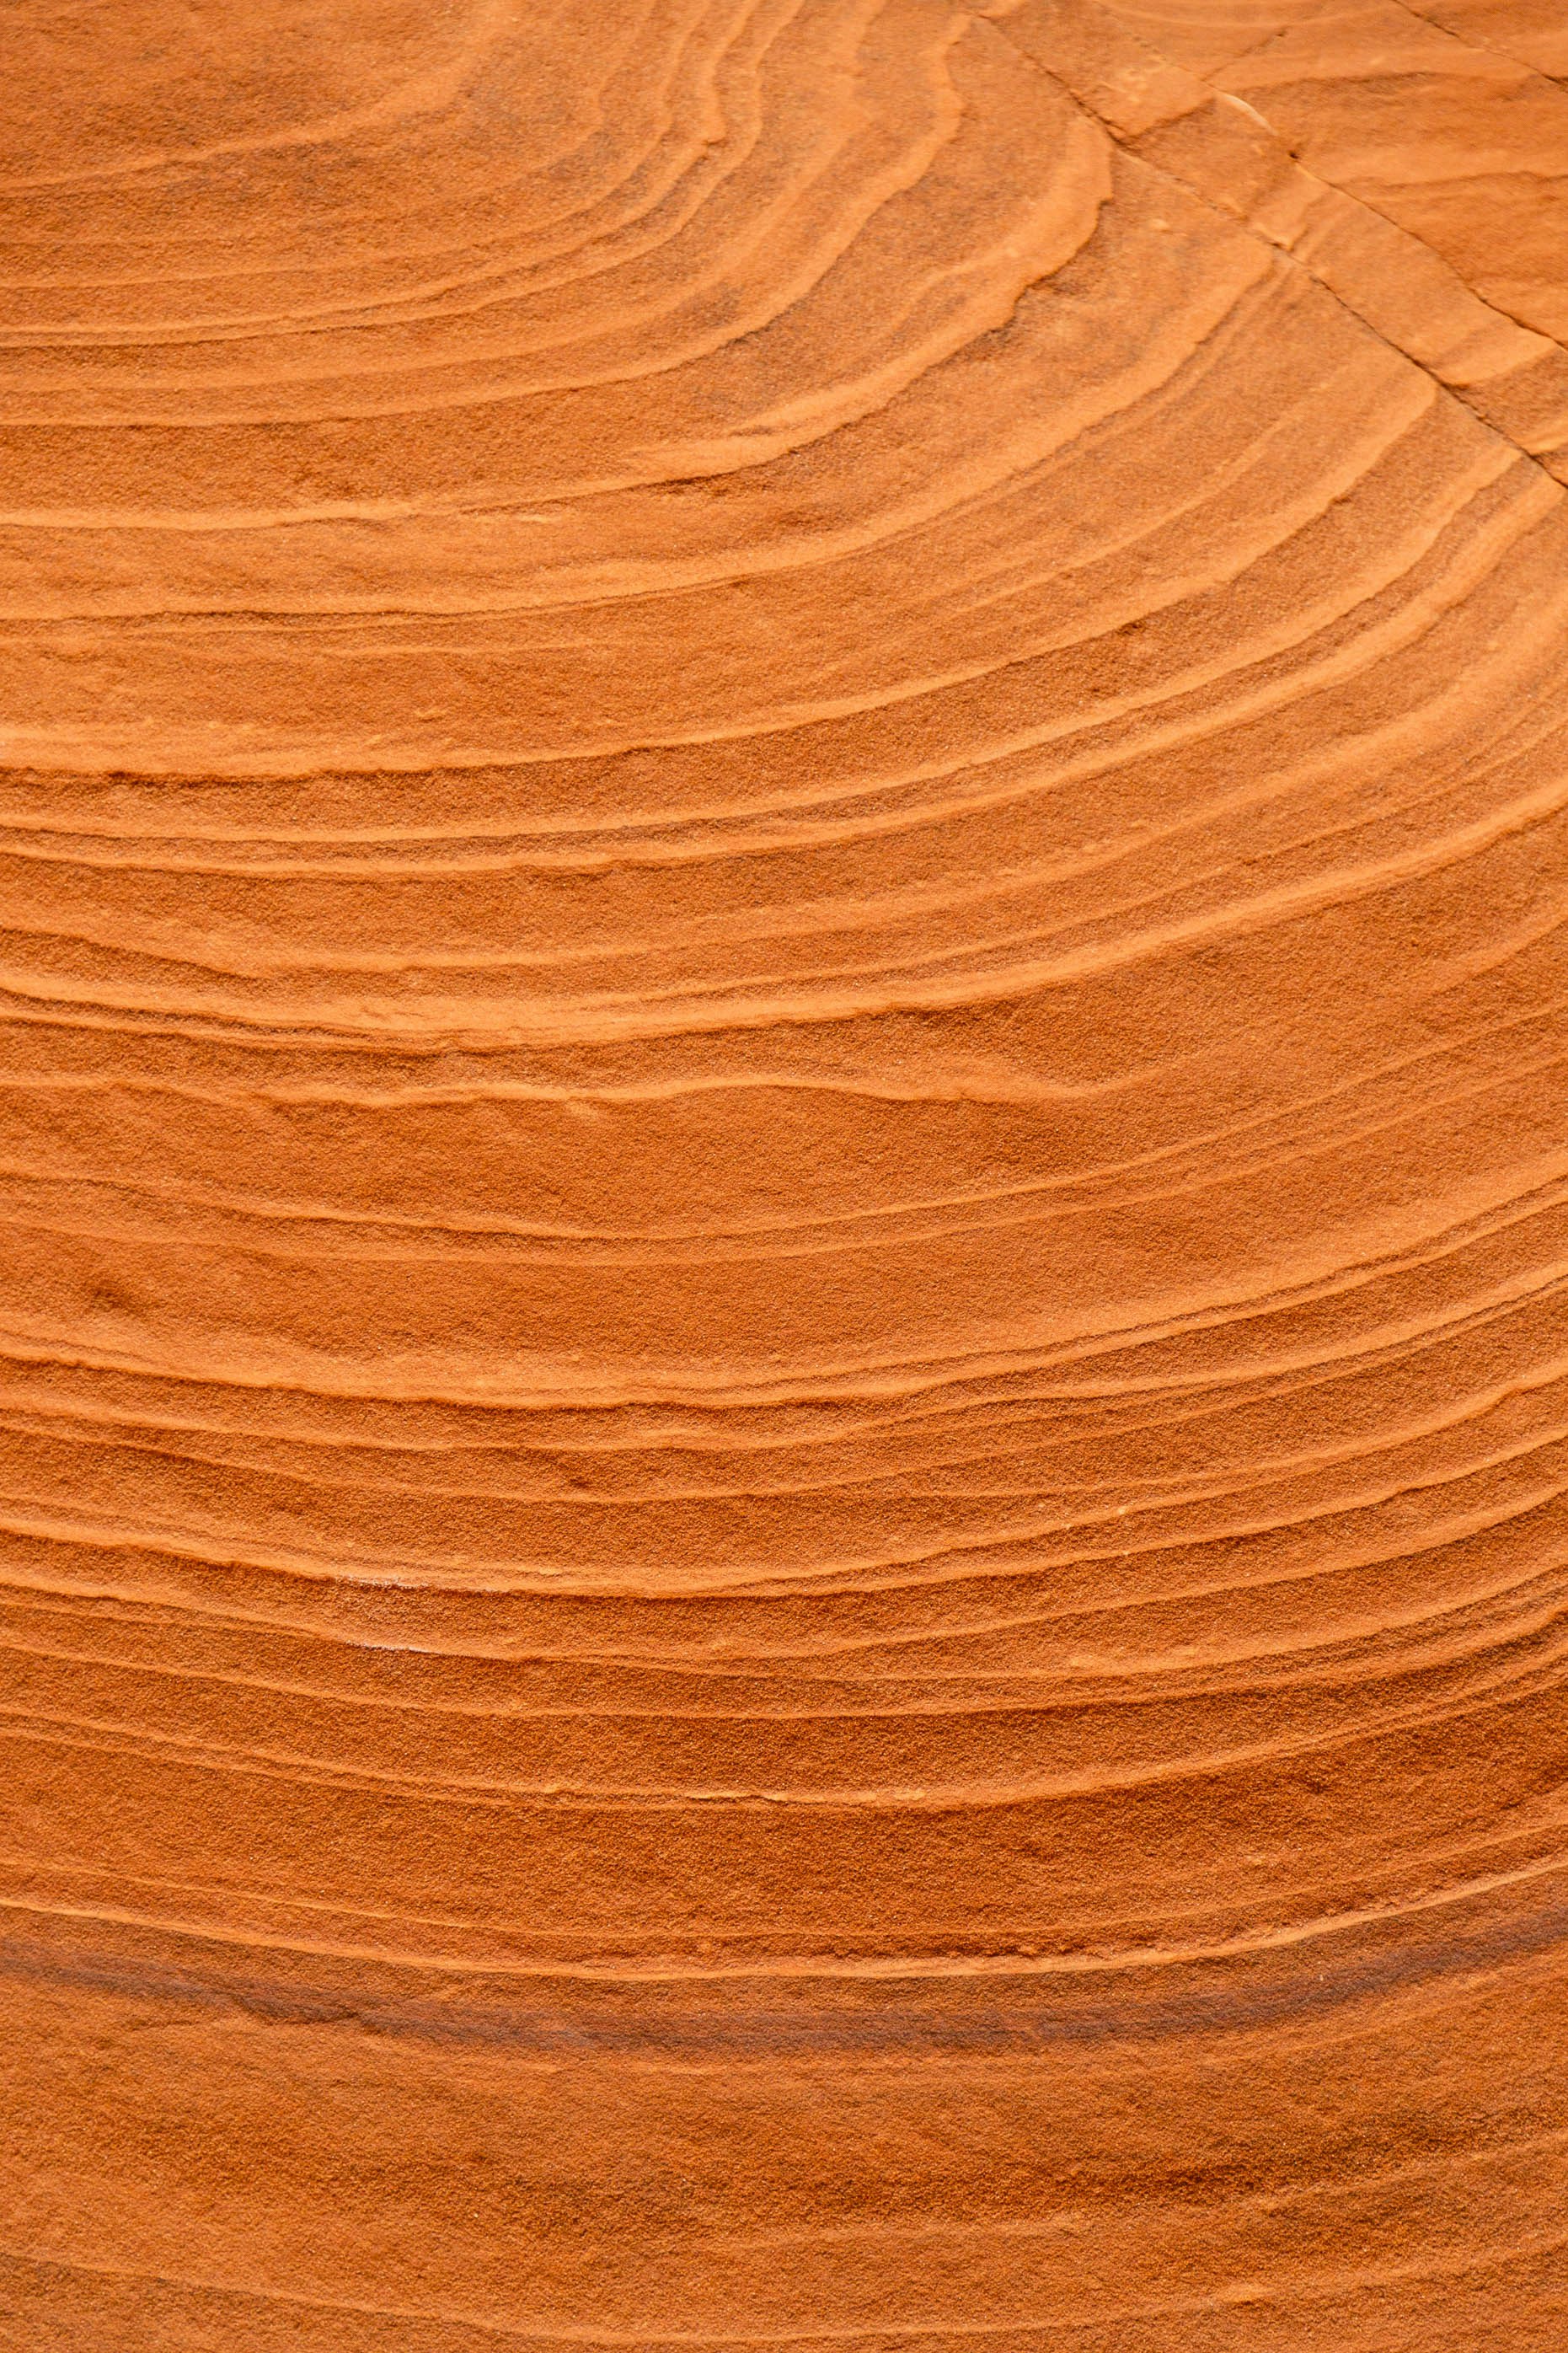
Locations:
{"points": [[784, 1358]]}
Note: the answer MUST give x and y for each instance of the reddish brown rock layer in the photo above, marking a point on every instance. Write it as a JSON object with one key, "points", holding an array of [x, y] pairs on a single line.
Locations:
{"points": [[784, 1380]]}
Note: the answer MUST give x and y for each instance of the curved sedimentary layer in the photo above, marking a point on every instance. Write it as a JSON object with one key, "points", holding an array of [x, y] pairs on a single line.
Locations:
{"points": [[783, 1375]]}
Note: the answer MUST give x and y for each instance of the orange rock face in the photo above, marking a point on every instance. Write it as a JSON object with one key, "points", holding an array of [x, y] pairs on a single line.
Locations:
{"points": [[784, 1367]]}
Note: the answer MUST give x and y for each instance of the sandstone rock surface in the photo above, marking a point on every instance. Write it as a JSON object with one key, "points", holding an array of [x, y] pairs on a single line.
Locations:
{"points": [[784, 1357]]}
